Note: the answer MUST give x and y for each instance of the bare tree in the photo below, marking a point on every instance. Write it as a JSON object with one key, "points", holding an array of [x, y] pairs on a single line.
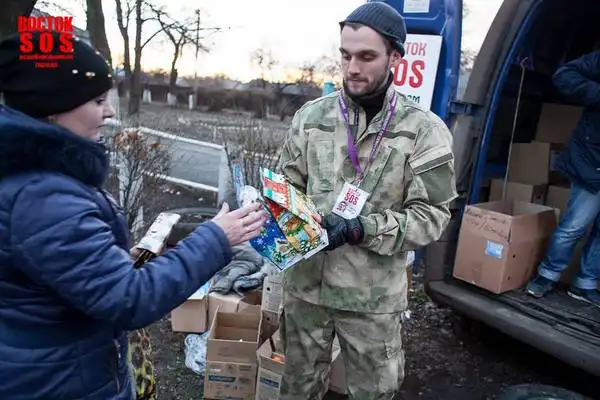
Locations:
{"points": [[96, 28], [467, 59], [307, 74], [140, 161], [330, 66], [180, 34], [264, 60], [253, 149], [136, 77], [11, 11], [125, 10], [123, 20]]}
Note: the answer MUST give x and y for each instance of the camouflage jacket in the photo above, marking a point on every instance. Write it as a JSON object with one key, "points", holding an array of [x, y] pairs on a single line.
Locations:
{"points": [[411, 183]]}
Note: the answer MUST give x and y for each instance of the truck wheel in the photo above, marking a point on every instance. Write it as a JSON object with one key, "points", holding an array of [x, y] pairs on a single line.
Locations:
{"points": [[190, 219], [539, 392]]}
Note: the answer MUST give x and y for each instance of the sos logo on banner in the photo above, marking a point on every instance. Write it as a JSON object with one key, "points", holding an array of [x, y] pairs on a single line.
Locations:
{"points": [[50, 50], [416, 73]]}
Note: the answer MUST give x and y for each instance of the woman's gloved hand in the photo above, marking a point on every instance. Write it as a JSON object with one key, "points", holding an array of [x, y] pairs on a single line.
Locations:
{"points": [[341, 231]]}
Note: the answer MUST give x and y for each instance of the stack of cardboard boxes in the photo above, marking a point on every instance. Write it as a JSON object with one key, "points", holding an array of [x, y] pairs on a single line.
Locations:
{"points": [[502, 241], [243, 354]]}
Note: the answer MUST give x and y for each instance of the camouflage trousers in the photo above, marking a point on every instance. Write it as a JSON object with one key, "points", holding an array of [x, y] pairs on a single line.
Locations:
{"points": [[371, 347]]}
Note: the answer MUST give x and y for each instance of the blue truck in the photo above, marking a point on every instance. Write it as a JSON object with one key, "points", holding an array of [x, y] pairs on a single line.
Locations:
{"points": [[512, 75]]}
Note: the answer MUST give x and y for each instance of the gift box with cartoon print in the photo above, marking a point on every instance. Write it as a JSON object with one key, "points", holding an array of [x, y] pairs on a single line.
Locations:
{"points": [[291, 232]]}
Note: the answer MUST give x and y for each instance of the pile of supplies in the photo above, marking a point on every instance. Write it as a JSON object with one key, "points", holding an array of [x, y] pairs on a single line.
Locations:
{"points": [[502, 241], [233, 321]]}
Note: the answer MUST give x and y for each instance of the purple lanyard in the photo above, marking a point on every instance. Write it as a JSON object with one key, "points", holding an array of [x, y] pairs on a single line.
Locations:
{"points": [[351, 146]]}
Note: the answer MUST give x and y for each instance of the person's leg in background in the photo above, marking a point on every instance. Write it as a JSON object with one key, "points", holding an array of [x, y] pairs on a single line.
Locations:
{"points": [[585, 284], [371, 346], [307, 337], [581, 211]]}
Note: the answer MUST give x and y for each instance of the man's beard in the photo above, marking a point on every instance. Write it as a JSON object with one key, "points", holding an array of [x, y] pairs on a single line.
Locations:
{"points": [[370, 89]]}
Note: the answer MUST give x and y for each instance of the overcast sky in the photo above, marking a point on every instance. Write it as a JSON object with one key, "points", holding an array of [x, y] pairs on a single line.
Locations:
{"points": [[295, 31]]}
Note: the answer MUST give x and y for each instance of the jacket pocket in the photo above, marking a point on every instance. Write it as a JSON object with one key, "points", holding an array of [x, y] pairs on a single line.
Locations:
{"points": [[321, 166]]}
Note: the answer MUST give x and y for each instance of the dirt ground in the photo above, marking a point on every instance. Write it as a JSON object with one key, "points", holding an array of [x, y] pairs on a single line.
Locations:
{"points": [[447, 356]]}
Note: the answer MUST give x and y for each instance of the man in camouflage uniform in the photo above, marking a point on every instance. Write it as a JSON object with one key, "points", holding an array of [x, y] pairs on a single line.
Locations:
{"points": [[357, 287]]}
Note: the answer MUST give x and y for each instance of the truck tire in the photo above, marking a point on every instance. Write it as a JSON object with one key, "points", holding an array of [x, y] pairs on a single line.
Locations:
{"points": [[190, 219], [539, 392]]}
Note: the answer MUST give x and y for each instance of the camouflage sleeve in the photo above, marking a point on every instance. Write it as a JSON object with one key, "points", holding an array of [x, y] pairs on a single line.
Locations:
{"points": [[430, 188], [292, 162]]}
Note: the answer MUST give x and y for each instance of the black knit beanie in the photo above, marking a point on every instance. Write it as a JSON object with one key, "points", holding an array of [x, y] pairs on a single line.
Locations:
{"points": [[41, 91], [382, 18]]}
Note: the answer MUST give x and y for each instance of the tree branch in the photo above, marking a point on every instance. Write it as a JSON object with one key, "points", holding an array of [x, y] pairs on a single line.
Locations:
{"points": [[150, 38]]}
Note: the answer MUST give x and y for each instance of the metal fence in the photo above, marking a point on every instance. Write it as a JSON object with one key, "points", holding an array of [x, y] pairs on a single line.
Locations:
{"points": [[195, 163]]}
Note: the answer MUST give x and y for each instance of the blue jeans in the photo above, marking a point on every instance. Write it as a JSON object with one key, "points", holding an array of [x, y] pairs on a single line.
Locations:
{"points": [[582, 210]]}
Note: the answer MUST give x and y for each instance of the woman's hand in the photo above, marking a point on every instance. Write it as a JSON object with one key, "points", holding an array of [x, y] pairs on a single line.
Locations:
{"points": [[242, 224], [134, 252]]}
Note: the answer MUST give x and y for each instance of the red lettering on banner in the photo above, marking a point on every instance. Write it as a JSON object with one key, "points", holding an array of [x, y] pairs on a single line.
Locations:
{"points": [[418, 49], [411, 71], [417, 68]]}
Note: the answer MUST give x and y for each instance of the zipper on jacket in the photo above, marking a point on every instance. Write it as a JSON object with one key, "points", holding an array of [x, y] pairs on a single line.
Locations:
{"points": [[118, 348]]}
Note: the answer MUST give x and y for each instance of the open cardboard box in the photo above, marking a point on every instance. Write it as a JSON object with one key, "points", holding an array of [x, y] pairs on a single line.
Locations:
{"points": [[195, 314], [191, 315], [501, 243], [231, 361]]}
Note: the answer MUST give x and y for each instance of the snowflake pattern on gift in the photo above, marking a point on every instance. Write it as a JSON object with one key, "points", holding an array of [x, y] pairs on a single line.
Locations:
{"points": [[286, 237]]}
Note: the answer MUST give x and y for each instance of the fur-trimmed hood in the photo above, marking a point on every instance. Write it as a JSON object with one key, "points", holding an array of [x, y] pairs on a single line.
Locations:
{"points": [[28, 144]]}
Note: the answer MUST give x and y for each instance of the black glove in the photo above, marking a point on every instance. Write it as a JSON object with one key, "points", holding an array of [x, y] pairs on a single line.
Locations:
{"points": [[341, 231]]}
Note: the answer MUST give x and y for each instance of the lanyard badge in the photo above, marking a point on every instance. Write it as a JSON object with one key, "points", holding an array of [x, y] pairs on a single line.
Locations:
{"points": [[352, 153], [352, 199]]}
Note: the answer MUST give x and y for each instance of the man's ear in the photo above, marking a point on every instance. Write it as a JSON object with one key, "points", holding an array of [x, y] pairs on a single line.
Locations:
{"points": [[395, 58]]}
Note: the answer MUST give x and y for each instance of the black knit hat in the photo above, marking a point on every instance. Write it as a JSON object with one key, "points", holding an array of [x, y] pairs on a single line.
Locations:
{"points": [[382, 18], [40, 91]]}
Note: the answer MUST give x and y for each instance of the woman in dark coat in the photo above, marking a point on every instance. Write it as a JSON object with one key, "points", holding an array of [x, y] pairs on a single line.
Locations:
{"points": [[68, 288]]}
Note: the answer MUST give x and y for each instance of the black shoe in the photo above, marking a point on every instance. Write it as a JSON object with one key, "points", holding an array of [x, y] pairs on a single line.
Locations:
{"points": [[590, 296], [539, 286]]}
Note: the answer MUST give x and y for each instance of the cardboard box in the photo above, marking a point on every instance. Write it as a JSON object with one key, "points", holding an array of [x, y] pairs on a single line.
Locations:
{"points": [[501, 243], [518, 191], [191, 316], [557, 123], [534, 163], [272, 299], [233, 302], [270, 370], [231, 356], [558, 197], [194, 315]]}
